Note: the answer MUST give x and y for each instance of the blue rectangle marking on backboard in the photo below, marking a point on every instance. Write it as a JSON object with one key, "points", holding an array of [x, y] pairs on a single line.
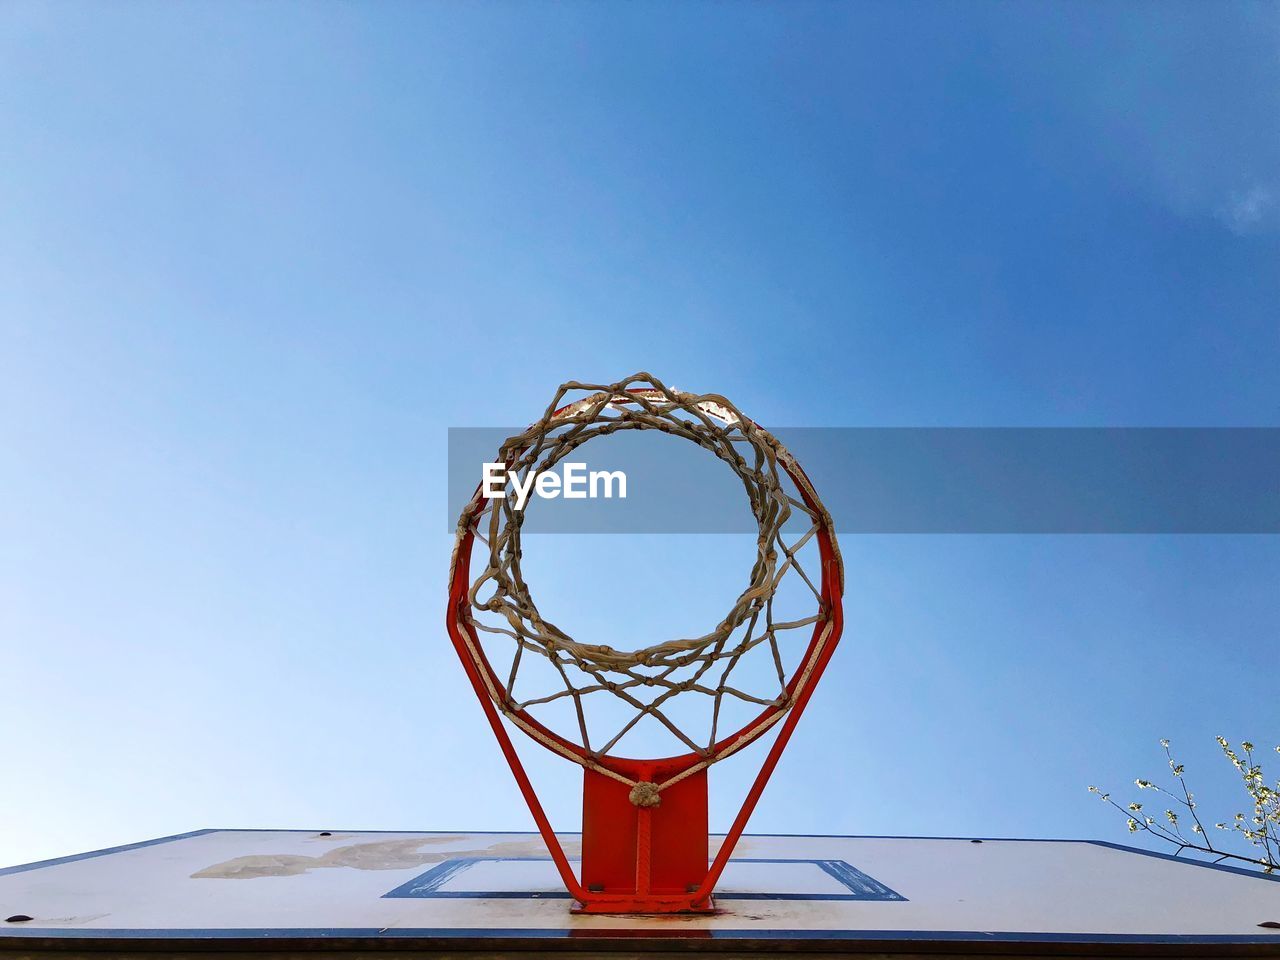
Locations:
{"points": [[433, 883]]}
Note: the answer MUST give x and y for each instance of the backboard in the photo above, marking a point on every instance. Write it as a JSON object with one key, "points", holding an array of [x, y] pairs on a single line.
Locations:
{"points": [[282, 891]]}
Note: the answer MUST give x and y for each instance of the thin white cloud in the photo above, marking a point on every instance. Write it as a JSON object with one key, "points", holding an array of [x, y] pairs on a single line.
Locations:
{"points": [[1253, 209]]}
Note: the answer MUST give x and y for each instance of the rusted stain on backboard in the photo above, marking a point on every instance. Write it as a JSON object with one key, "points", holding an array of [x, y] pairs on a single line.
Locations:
{"points": [[379, 855]]}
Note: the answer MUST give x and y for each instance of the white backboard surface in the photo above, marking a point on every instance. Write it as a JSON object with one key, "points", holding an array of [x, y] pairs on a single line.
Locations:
{"points": [[442, 887]]}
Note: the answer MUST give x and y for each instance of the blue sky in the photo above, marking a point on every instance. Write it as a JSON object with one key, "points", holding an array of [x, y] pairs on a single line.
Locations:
{"points": [[255, 260]]}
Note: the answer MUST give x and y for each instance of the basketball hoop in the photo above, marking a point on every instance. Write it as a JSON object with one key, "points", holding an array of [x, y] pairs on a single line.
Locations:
{"points": [[645, 845]]}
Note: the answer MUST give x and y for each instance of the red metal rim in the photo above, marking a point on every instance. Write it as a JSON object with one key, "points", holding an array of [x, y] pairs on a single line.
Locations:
{"points": [[818, 652]]}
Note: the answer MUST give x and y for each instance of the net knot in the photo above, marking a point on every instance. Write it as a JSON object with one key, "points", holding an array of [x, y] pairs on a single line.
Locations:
{"points": [[645, 794]]}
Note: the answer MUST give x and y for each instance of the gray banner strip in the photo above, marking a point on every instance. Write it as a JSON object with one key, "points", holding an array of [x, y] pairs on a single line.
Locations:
{"points": [[928, 480]]}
